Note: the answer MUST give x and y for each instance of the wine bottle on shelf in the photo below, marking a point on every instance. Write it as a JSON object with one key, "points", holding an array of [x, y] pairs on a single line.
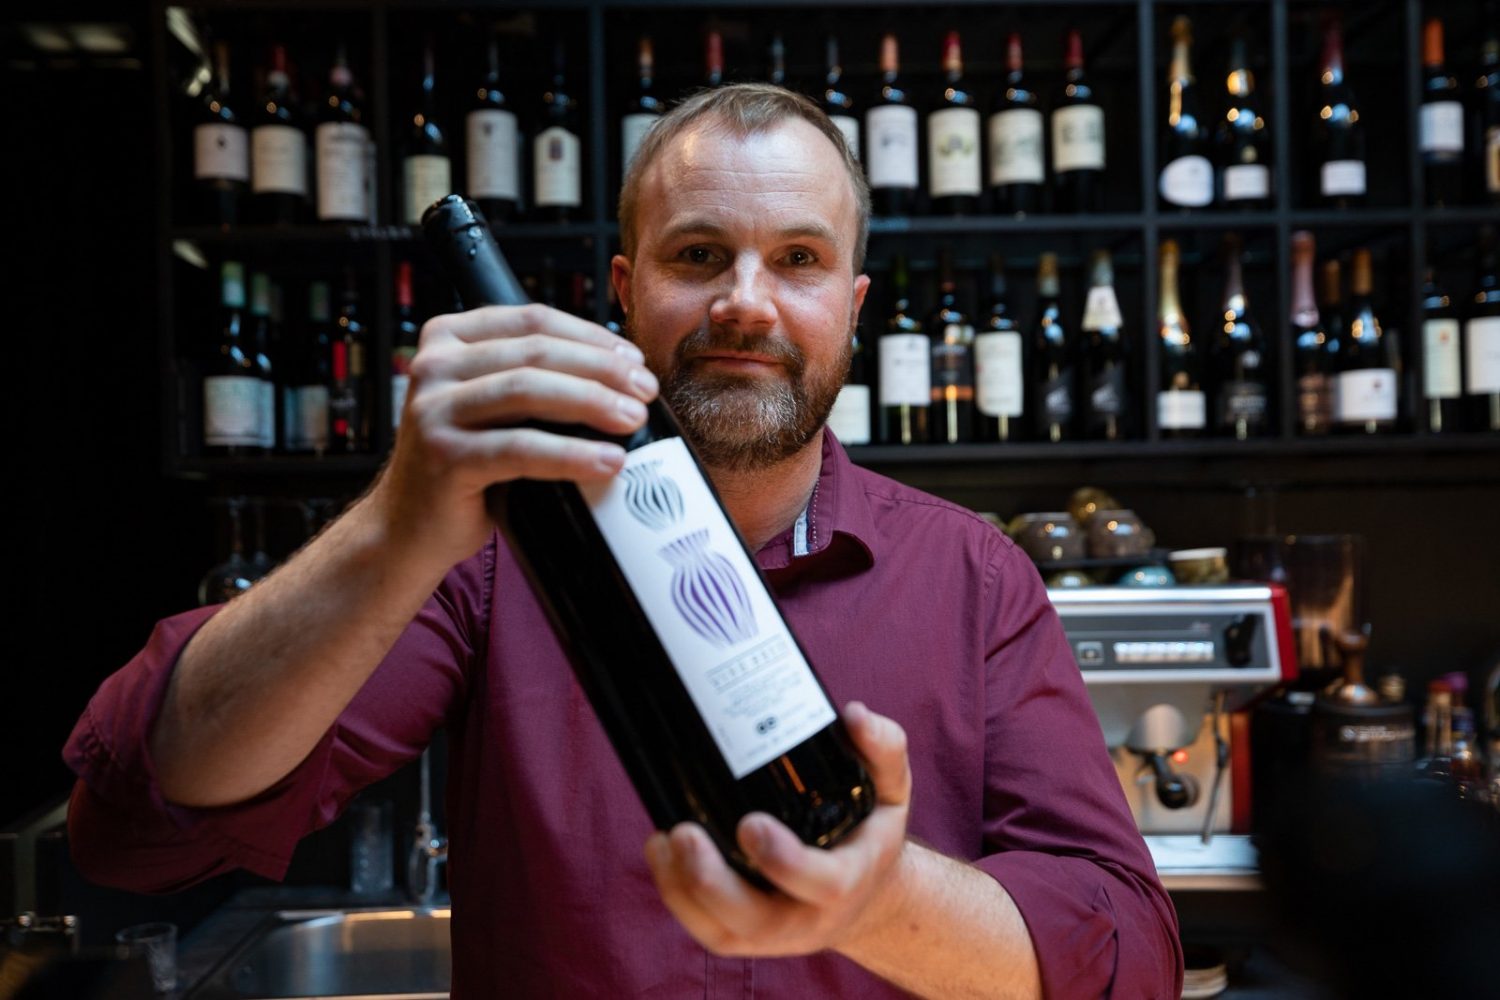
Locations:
{"points": [[905, 368], [259, 344], [493, 147], [776, 61], [408, 330], [1240, 355], [221, 149], [891, 139], [1245, 180], [231, 382], [342, 149], [952, 334], [1077, 137], [1442, 358], [1106, 395], [953, 175], [1017, 159], [1055, 356], [713, 58], [1368, 385], [348, 404], [837, 103], [1441, 131], [557, 150], [1341, 136], [309, 382], [640, 634], [1309, 342], [1187, 179], [850, 417], [1335, 329], [1181, 406], [1487, 109], [278, 150], [426, 169], [644, 107], [1000, 367], [1482, 339]]}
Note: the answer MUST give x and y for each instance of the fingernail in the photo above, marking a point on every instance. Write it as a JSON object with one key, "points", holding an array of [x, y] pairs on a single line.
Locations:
{"points": [[631, 409], [609, 458], [855, 711], [629, 350], [644, 382], [756, 837]]}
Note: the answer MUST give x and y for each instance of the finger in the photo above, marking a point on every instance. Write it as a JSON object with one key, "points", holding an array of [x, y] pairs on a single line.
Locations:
{"points": [[814, 875], [670, 881], [490, 322], [528, 453], [522, 394], [541, 351], [882, 743]]}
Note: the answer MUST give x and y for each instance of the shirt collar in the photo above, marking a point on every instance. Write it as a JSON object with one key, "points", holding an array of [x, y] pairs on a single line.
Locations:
{"points": [[838, 526]]}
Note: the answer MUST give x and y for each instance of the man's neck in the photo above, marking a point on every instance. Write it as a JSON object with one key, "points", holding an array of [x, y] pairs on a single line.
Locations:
{"points": [[763, 503]]}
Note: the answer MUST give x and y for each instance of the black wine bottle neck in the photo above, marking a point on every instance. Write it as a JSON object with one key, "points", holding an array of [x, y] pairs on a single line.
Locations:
{"points": [[459, 234]]}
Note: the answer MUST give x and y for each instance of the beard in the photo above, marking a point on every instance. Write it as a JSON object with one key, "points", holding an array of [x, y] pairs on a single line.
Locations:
{"points": [[744, 423]]}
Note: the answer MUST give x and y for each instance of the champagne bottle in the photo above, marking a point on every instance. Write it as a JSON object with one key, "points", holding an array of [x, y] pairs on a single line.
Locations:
{"points": [[1017, 170], [1055, 357], [1341, 156], [426, 169], [1077, 137], [342, 150], [278, 150], [1181, 406], [1310, 342], [493, 149], [891, 139], [1442, 358], [1240, 355], [1187, 179], [1482, 340], [1441, 122], [1000, 367], [662, 612], [1368, 386], [837, 103], [231, 382], [1106, 381], [221, 149], [1245, 180], [952, 360], [644, 108], [953, 176], [557, 149], [905, 368]]}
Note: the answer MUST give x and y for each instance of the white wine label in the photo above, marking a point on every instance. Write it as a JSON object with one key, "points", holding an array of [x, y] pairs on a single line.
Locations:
{"points": [[1366, 394], [557, 162], [1187, 181], [1247, 182], [1442, 127], [999, 382], [1016, 147], [1492, 159], [232, 411], [848, 126], [1101, 311], [312, 416], [850, 417], [399, 385], [1181, 409], [633, 129], [425, 179], [892, 136], [1078, 138], [1483, 354], [494, 165], [342, 153], [1441, 364], [706, 601], [278, 160], [953, 152], [905, 369], [1343, 177], [221, 151], [267, 414]]}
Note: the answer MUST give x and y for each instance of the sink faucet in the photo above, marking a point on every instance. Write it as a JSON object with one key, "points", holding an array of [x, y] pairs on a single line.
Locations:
{"points": [[429, 849]]}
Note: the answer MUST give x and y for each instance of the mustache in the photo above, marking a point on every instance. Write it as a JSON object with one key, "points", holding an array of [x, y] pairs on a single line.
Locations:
{"points": [[706, 340]]}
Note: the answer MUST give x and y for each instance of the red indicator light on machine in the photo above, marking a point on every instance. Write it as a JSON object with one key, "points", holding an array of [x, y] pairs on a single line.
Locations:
{"points": [[1179, 756]]}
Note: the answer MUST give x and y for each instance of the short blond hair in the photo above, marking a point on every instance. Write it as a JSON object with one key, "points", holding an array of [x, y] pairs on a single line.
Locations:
{"points": [[741, 109]]}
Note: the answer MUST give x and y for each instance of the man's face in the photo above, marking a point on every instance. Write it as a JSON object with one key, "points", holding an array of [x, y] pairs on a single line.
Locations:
{"points": [[742, 294]]}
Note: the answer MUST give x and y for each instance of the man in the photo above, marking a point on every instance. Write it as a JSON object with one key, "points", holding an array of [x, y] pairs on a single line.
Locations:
{"points": [[1001, 859]]}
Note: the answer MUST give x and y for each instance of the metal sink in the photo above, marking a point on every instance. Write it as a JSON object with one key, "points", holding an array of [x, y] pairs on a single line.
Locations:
{"points": [[389, 954]]}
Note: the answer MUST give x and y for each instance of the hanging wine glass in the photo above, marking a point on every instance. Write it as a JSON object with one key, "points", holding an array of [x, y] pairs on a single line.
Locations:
{"points": [[236, 573], [260, 560]]}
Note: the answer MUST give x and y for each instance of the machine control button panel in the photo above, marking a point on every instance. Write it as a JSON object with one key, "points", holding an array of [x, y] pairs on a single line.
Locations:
{"points": [[1162, 652], [1090, 653]]}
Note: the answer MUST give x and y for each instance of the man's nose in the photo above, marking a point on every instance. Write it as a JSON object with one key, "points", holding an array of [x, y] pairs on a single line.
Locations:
{"points": [[749, 300]]}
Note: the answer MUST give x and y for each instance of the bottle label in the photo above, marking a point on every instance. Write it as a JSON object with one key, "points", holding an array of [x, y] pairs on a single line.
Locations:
{"points": [[221, 152], [850, 417], [267, 415], [953, 365], [557, 161], [1483, 337], [998, 377], [1242, 402], [1057, 398], [848, 126], [1247, 182], [1343, 177], [706, 600], [953, 152], [312, 416], [425, 179], [232, 411], [633, 129], [494, 155], [278, 160], [1442, 127], [1078, 138], [1366, 394], [1492, 159], [893, 146], [1101, 311], [1181, 409], [1441, 364], [1187, 181], [342, 151], [1016, 147], [905, 369], [1315, 402], [1107, 395]]}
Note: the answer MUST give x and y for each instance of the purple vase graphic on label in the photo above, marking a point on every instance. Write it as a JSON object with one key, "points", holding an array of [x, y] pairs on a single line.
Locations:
{"points": [[708, 593], [653, 499]]}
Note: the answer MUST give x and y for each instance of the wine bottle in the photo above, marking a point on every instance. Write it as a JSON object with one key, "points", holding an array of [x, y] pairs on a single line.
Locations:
{"points": [[342, 150], [837, 103], [953, 176], [1310, 342], [1245, 180], [1341, 137], [426, 169], [1106, 400], [221, 149], [1000, 367], [952, 334], [1055, 357], [408, 330], [850, 417], [1335, 330], [1017, 170], [348, 405], [776, 61], [1487, 104], [307, 420], [493, 148], [231, 383], [644, 107], [891, 139], [1368, 385], [1482, 340], [713, 58], [1441, 132], [1442, 358], [259, 345], [1240, 356], [1187, 179], [278, 150], [1077, 137], [663, 614], [905, 368], [557, 151], [1181, 406]]}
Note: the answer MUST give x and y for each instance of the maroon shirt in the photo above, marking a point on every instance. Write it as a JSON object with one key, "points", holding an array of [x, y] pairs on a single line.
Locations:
{"points": [[911, 604]]}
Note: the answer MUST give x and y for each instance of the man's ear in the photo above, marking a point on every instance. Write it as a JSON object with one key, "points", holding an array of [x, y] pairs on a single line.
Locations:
{"points": [[620, 275], [861, 286]]}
